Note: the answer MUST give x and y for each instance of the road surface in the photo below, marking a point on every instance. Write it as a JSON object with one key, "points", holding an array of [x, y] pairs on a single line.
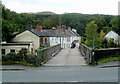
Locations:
{"points": [[62, 68], [67, 57]]}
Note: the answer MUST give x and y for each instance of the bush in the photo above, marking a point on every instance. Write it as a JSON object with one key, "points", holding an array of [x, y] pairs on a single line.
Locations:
{"points": [[21, 59], [111, 44], [23, 53], [9, 57], [30, 59], [40, 47]]}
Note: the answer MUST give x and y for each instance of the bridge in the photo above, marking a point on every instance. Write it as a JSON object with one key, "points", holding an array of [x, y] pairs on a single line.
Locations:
{"points": [[67, 57], [78, 56], [67, 66]]}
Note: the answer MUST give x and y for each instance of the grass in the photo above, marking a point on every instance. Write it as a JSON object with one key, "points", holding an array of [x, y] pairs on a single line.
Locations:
{"points": [[110, 59], [16, 63]]}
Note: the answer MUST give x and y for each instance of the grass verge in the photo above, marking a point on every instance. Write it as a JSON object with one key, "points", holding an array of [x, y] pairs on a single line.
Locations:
{"points": [[110, 59], [16, 63]]}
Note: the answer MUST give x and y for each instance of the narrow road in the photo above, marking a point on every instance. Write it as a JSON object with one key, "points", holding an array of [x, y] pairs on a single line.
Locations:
{"points": [[67, 57]]}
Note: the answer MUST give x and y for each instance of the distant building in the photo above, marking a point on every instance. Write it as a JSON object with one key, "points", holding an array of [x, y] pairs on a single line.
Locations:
{"points": [[113, 35], [32, 39]]}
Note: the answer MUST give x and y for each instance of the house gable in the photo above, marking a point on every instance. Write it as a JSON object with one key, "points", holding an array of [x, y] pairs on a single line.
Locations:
{"points": [[112, 35], [27, 36]]}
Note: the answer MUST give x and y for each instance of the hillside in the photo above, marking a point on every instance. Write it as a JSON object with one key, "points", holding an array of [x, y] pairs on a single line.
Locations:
{"points": [[13, 22]]}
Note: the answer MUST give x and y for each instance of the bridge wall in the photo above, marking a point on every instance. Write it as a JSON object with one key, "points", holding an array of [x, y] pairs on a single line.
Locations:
{"points": [[93, 55], [43, 55]]}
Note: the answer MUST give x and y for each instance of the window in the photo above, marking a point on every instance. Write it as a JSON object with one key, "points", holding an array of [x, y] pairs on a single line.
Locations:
{"points": [[3, 51], [12, 50], [45, 40], [41, 40], [32, 50]]}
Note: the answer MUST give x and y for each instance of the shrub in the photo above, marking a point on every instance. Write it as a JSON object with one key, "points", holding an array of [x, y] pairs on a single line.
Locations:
{"points": [[23, 53], [9, 57], [30, 59], [40, 47], [111, 43]]}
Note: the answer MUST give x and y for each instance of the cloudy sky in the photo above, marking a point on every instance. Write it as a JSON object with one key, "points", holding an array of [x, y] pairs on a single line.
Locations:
{"points": [[64, 6]]}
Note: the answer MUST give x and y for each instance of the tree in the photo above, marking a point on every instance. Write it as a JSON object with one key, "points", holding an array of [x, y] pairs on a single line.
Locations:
{"points": [[115, 24], [91, 33], [100, 39]]}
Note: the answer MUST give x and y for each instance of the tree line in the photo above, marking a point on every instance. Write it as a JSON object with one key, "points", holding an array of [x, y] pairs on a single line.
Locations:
{"points": [[14, 22]]}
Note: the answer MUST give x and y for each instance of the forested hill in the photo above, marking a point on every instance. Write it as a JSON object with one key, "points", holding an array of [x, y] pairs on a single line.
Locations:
{"points": [[13, 22]]}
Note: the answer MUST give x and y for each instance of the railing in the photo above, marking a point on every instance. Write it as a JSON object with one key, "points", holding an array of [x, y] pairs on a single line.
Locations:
{"points": [[87, 53], [93, 55], [43, 55]]}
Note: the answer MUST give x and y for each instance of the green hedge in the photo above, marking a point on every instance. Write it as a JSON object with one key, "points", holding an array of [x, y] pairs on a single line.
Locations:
{"points": [[20, 58]]}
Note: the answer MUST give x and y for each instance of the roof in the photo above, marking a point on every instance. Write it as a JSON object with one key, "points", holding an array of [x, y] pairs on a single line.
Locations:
{"points": [[111, 34], [17, 43], [50, 33]]}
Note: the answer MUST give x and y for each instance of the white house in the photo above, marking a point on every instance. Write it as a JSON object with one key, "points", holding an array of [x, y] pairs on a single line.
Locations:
{"points": [[113, 35], [16, 47], [32, 39]]}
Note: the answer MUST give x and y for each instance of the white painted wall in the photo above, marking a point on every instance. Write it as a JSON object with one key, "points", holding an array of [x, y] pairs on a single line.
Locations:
{"points": [[54, 41], [113, 35], [17, 48]]}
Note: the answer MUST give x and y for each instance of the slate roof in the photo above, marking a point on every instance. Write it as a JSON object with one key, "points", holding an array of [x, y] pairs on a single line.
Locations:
{"points": [[50, 33]]}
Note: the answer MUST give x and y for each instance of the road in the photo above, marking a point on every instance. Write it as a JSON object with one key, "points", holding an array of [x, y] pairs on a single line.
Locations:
{"points": [[67, 57], [62, 68], [62, 74]]}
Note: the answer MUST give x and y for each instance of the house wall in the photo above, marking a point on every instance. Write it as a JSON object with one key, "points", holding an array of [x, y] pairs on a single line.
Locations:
{"points": [[17, 48], [112, 35], [54, 40], [27, 36], [64, 41], [44, 41]]}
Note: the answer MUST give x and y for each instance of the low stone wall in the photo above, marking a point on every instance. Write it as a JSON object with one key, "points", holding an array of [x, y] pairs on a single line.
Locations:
{"points": [[93, 55], [43, 55], [105, 53]]}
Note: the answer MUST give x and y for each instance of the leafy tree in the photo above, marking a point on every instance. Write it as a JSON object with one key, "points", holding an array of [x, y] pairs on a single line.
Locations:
{"points": [[14, 22], [115, 24], [100, 39], [91, 33]]}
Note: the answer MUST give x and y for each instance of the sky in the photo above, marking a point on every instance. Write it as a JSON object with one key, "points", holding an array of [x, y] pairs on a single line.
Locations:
{"points": [[64, 6]]}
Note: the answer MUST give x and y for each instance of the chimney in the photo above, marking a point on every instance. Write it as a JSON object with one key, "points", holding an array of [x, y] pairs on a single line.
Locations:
{"points": [[38, 27]]}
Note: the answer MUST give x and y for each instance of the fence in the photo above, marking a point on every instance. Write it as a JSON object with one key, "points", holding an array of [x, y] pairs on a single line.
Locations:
{"points": [[44, 55], [93, 55], [87, 53]]}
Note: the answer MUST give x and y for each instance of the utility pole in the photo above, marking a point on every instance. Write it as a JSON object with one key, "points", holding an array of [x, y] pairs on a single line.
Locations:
{"points": [[93, 43], [59, 21], [60, 29]]}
